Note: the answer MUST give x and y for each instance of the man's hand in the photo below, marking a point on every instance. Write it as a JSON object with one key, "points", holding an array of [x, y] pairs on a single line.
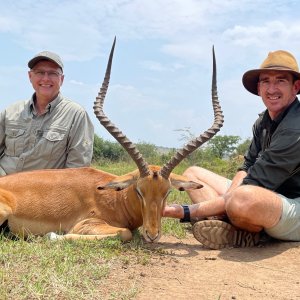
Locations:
{"points": [[173, 211]]}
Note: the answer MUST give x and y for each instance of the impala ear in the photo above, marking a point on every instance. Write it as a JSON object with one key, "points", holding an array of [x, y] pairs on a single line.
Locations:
{"points": [[118, 184], [182, 184], [185, 185]]}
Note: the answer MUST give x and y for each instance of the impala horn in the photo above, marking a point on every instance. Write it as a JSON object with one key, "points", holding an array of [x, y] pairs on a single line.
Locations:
{"points": [[193, 144], [111, 128]]}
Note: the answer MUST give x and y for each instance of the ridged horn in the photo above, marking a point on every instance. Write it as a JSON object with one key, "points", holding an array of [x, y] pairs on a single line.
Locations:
{"points": [[204, 137], [111, 128]]}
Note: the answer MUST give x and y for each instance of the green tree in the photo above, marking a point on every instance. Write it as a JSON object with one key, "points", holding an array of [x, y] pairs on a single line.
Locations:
{"points": [[108, 150], [223, 145], [149, 151], [243, 147]]}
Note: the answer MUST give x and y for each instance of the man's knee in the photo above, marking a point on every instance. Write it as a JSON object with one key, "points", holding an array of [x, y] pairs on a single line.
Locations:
{"points": [[193, 172], [239, 201]]}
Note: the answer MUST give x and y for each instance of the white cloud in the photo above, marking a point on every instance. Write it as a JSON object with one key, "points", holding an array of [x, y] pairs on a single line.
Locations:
{"points": [[187, 27], [153, 65], [75, 82], [161, 77], [159, 67], [269, 33], [8, 24]]}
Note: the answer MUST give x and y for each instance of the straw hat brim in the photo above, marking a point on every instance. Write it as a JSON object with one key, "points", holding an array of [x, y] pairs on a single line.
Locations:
{"points": [[250, 78]]}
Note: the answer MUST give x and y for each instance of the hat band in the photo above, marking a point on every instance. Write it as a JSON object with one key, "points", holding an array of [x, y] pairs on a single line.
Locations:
{"points": [[279, 67]]}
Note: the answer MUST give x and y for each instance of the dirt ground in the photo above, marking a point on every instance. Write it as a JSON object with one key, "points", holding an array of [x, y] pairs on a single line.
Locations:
{"points": [[187, 270]]}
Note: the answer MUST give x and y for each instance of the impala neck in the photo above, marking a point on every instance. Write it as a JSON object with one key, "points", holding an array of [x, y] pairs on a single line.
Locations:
{"points": [[132, 208]]}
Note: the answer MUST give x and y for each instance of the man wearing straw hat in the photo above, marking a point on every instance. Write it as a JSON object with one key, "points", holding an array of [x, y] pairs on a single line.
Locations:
{"points": [[264, 195]]}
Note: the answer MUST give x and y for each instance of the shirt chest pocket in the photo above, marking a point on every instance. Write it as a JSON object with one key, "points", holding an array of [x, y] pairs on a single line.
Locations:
{"points": [[15, 141], [54, 136], [54, 144]]}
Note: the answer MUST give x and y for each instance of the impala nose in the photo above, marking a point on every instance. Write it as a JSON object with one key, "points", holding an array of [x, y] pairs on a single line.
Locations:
{"points": [[152, 237]]}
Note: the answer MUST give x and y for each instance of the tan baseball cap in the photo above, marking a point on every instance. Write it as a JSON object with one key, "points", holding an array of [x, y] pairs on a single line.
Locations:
{"points": [[46, 55]]}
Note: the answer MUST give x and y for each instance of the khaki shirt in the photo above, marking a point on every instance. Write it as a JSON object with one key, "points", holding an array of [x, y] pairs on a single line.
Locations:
{"points": [[60, 138]]}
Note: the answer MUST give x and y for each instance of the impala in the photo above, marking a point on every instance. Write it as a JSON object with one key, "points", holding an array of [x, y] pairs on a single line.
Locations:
{"points": [[88, 203]]}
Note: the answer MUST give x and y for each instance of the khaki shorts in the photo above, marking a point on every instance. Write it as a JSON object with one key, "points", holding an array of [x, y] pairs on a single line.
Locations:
{"points": [[288, 227]]}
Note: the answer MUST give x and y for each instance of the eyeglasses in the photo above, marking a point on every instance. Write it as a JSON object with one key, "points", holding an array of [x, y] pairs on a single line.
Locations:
{"points": [[41, 73]]}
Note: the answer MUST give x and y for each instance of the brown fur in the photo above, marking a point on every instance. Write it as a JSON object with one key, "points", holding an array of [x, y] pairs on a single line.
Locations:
{"points": [[86, 202]]}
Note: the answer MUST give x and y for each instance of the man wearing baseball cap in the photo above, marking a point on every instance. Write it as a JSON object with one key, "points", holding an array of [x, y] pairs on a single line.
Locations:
{"points": [[264, 195], [47, 131]]}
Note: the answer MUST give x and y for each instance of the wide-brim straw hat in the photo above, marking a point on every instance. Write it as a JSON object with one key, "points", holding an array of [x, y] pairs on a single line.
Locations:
{"points": [[278, 61]]}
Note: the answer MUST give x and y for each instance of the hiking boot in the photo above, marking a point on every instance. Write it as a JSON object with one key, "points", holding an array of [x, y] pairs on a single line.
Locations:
{"points": [[216, 234], [223, 218]]}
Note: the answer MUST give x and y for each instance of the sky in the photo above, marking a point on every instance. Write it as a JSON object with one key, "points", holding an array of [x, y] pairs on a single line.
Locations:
{"points": [[160, 87]]}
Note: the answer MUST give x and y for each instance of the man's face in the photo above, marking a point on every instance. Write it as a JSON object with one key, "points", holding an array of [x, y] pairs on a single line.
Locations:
{"points": [[46, 79], [277, 90]]}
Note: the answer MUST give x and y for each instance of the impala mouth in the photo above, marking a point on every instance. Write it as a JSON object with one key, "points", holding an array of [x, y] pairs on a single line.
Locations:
{"points": [[151, 238]]}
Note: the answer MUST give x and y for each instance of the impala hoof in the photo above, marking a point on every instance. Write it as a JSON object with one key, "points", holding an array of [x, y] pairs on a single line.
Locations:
{"points": [[52, 236]]}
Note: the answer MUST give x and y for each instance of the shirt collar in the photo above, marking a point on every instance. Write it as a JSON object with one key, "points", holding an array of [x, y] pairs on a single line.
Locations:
{"points": [[279, 118], [50, 105]]}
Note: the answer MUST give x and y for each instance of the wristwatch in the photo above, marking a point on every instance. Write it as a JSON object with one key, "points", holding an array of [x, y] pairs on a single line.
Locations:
{"points": [[187, 215]]}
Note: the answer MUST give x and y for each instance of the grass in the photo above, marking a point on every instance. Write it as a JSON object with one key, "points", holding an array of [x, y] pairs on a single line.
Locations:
{"points": [[117, 168], [122, 167], [41, 269]]}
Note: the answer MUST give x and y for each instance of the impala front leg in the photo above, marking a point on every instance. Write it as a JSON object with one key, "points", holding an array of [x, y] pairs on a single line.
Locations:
{"points": [[93, 229]]}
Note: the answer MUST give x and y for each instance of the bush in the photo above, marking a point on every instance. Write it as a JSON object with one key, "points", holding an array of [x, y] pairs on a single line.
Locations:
{"points": [[111, 151], [108, 154]]}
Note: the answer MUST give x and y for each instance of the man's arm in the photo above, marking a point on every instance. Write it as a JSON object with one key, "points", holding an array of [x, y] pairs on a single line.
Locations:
{"points": [[277, 162], [237, 180], [80, 145]]}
